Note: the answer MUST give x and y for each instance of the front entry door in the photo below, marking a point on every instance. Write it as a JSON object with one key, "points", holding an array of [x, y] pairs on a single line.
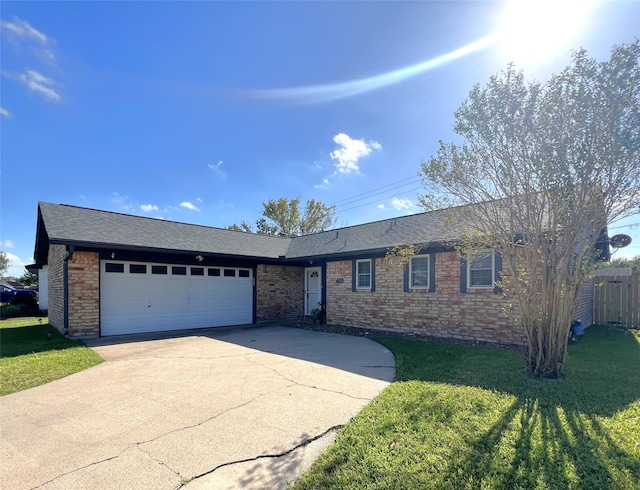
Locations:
{"points": [[312, 288]]}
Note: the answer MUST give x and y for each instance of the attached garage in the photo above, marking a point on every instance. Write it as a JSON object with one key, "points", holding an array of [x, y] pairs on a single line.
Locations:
{"points": [[114, 274], [140, 297]]}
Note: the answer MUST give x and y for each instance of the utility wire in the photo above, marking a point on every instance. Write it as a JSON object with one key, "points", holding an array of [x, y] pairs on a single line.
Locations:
{"points": [[374, 192], [631, 225], [375, 196], [385, 189], [375, 201]]}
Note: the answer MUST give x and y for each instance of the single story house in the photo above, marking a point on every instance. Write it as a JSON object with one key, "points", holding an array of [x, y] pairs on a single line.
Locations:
{"points": [[105, 273]]}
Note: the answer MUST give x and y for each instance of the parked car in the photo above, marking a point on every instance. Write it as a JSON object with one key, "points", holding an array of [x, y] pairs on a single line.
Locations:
{"points": [[9, 294]]}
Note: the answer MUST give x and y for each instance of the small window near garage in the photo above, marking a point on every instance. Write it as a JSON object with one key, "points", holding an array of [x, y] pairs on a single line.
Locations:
{"points": [[179, 271], [111, 267], [363, 268], [158, 269], [214, 272], [137, 269], [229, 273], [197, 271], [244, 273], [419, 272], [481, 272]]}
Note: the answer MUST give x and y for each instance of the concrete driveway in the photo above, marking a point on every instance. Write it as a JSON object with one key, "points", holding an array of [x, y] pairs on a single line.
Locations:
{"points": [[248, 407]]}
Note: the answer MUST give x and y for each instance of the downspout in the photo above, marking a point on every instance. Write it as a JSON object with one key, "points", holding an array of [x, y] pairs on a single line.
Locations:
{"points": [[65, 286]]}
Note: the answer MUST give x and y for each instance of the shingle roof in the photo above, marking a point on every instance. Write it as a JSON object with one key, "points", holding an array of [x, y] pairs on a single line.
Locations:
{"points": [[90, 227], [375, 236], [79, 226]]}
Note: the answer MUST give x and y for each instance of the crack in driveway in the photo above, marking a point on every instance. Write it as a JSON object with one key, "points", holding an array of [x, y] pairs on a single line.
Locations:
{"points": [[70, 472], [161, 448], [296, 383], [267, 456], [213, 417], [159, 461], [140, 443]]}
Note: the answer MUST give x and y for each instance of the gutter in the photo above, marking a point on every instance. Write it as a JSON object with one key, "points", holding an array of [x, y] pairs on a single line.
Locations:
{"points": [[65, 287]]}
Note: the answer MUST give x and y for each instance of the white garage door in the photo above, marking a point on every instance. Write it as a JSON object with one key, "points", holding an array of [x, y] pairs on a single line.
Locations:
{"points": [[144, 297]]}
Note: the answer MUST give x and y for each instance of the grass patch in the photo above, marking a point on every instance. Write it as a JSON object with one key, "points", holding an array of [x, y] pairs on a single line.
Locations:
{"points": [[28, 358], [468, 417]]}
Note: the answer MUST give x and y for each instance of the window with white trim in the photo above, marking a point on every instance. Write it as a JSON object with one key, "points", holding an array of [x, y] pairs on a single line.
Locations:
{"points": [[363, 274], [482, 272], [419, 272]]}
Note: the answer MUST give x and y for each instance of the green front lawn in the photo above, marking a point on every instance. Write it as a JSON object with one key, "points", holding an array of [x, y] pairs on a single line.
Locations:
{"points": [[28, 358], [467, 417]]}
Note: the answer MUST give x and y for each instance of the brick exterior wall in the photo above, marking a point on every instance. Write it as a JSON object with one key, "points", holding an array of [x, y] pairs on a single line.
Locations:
{"points": [[84, 295], [280, 292], [478, 315], [584, 311], [56, 286]]}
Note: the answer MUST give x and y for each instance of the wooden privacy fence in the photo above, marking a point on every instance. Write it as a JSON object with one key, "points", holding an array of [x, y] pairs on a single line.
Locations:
{"points": [[617, 301]]}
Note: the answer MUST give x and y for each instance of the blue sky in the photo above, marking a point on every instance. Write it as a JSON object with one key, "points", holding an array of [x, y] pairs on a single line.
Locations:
{"points": [[200, 111]]}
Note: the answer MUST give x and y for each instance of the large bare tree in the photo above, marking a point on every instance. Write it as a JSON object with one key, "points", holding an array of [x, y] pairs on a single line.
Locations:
{"points": [[553, 163]]}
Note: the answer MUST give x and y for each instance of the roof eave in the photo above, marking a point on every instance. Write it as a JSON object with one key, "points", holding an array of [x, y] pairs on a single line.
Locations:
{"points": [[136, 248], [379, 251]]}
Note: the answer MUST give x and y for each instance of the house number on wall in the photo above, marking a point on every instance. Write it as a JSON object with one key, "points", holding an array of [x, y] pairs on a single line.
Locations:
{"points": [[340, 280]]}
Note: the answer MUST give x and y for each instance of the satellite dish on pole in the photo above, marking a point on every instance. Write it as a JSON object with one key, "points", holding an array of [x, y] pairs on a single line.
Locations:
{"points": [[620, 241]]}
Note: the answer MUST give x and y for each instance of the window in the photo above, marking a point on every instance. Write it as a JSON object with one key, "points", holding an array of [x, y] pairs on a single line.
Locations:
{"points": [[137, 269], [244, 273], [179, 271], [419, 272], [363, 271], [111, 267], [482, 272], [229, 273], [197, 271], [213, 272], [158, 269]]}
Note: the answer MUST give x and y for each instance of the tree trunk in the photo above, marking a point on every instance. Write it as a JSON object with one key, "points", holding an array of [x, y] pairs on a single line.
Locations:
{"points": [[547, 329]]}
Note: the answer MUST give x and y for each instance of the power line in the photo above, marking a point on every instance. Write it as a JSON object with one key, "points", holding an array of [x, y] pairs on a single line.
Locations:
{"points": [[632, 225], [374, 192], [375, 201], [391, 189]]}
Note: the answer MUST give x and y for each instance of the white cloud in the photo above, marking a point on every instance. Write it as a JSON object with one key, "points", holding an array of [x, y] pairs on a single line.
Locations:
{"points": [[23, 34], [199, 199], [37, 82], [349, 151], [189, 205], [380, 206], [147, 208], [7, 244], [401, 204], [14, 260], [325, 184], [5, 112], [22, 29], [16, 265], [30, 41], [48, 56], [122, 202], [217, 169]]}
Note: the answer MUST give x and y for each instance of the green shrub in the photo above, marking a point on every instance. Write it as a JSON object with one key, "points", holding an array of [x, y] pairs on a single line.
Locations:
{"points": [[19, 309], [23, 299]]}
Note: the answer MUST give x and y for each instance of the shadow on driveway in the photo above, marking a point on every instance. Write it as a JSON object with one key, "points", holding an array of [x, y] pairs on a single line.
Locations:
{"points": [[332, 350], [248, 407]]}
